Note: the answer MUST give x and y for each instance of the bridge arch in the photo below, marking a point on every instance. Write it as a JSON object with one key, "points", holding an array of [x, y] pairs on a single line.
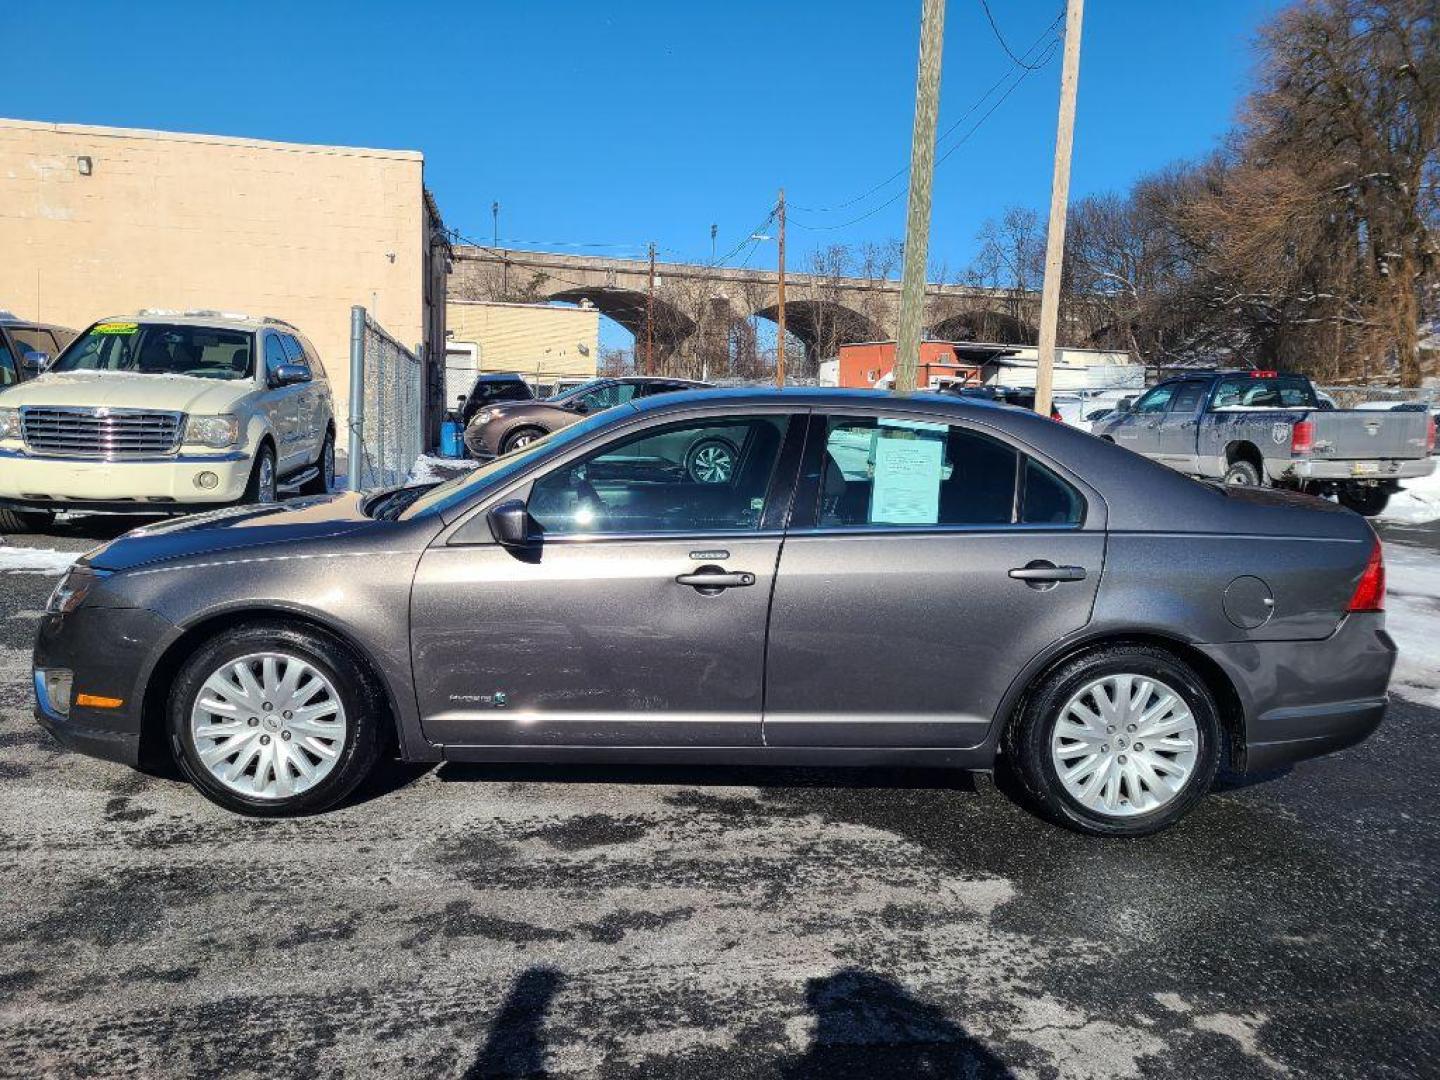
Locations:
{"points": [[629, 308], [823, 325], [984, 325]]}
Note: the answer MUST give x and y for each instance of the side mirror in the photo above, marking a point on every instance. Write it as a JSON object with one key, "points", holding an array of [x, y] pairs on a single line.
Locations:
{"points": [[510, 524], [35, 362], [289, 375]]}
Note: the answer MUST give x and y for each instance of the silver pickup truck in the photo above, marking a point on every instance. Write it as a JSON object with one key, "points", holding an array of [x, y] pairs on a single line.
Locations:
{"points": [[1266, 427]]}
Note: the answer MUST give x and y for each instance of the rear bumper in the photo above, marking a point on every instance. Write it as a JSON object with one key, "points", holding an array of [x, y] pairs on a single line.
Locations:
{"points": [[1301, 699], [1344, 469], [82, 483]]}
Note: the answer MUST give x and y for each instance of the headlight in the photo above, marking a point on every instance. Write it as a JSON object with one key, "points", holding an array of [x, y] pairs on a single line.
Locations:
{"points": [[73, 589], [9, 423], [484, 416], [213, 431]]}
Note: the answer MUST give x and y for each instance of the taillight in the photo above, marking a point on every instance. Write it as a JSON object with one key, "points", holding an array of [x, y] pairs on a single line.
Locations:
{"points": [[1302, 437], [1055, 413], [1430, 434], [1370, 590]]}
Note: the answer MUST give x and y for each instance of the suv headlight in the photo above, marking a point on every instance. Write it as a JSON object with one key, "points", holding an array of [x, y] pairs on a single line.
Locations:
{"points": [[484, 416], [73, 588], [9, 423], [213, 431]]}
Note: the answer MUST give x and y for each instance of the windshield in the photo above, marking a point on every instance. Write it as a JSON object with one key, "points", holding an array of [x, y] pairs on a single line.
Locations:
{"points": [[453, 492], [575, 391], [161, 349]]}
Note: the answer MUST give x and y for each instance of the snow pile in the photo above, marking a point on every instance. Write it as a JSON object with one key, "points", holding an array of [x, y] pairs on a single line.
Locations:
{"points": [[429, 469], [1417, 503], [1413, 618], [23, 560]]}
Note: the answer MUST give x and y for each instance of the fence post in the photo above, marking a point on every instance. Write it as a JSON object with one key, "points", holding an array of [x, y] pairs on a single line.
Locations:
{"points": [[357, 396]]}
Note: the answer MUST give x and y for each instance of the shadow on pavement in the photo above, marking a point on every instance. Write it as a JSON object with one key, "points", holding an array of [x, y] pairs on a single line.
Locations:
{"points": [[515, 1046]]}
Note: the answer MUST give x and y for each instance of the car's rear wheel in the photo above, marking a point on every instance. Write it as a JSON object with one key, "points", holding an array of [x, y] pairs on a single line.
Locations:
{"points": [[1368, 501], [710, 461], [1242, 474], [324, 480], [25, 521], [1121, 741], [274, 720], [524, 437]]}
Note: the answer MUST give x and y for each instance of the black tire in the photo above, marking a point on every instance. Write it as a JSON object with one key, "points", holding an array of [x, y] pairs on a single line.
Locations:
{"points": [[25, 521], [696, 467], [356, 688], [324, 480], [1027, 742], [519, 437], [252, 489], [1368, 501], [1243, 474]]}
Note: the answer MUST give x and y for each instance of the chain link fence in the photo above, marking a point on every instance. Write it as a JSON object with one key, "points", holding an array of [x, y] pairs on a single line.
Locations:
{"points": [[387, 405], [1347, 397]]}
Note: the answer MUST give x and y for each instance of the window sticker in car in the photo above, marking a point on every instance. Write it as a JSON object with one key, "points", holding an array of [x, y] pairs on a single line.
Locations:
{"points": [[909, 462], [116, 328]]}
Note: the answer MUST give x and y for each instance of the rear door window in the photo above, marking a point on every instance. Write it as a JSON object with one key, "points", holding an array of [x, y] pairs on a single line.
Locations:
{"points": [[294, 351], [1187, 398]]}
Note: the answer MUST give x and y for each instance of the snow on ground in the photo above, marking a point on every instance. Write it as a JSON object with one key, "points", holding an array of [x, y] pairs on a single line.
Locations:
{"points": [[1413, 619], [1418, 502], [23, 560]]}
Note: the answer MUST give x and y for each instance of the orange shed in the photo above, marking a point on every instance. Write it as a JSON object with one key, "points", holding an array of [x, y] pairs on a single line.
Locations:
{"points": [[941, 362]]}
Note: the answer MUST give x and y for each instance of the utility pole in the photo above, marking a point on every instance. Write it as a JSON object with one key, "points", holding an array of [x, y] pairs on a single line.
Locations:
{"points": [[780, 311], [1059, 197], [650, 318], [714, 231], [922, 179], [494, 224]]}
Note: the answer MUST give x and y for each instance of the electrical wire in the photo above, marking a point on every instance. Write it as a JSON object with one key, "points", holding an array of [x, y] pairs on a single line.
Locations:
{"points": [[1001, 39]]}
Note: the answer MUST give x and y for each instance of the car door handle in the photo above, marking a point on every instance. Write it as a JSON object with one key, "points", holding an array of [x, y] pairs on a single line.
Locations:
{"points": [[1044, 571], [716, 580]]}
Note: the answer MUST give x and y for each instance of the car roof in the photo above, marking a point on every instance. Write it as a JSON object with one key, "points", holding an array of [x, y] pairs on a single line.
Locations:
{"points": [[9, 318], [222, 320], [807, 396]]}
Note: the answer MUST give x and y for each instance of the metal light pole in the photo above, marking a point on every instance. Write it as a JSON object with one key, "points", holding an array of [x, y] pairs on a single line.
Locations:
{"points": [[1059, 196], [780, 311], [922, 178]]}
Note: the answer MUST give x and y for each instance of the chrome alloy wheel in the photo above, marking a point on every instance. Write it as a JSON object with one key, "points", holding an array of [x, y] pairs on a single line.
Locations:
{"points": [[712, 463], [265, 487], [268, 725], [1124, 745]]}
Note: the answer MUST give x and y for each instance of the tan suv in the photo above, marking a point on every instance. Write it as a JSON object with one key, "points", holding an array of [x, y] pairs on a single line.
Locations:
{"points": [[167, 412]]}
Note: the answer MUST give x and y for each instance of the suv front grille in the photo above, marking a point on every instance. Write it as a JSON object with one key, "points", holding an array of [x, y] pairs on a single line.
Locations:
{"points": [[101, 433]]}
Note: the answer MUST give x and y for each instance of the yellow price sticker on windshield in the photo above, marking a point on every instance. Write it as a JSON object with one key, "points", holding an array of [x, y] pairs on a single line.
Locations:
{"points": [[116, 328]]}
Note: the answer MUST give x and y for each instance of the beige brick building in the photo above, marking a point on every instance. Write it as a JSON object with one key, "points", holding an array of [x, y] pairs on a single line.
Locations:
{"points": [[98, 221], [543, 342]]}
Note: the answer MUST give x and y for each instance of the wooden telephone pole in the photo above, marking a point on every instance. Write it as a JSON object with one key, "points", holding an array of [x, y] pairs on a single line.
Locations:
{"points": [[922, 178], [780, 313], [650, 318], [1059, 197]]}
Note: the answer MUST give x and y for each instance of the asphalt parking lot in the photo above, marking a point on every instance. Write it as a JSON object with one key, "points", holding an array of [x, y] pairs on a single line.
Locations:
{"points": [[526, 921]]}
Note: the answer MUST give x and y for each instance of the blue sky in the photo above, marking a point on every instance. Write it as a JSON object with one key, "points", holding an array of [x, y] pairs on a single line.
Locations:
{"points": [[617, 124]]}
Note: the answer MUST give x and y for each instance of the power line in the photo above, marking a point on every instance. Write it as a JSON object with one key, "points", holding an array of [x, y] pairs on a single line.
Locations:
{"points": [[1001, 38], [1040, 63]]}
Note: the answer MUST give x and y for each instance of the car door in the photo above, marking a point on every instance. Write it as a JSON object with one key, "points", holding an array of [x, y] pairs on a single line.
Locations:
{"points": [[1180, 424], [281, 404], [926, 564], [637, 615], [309, 428], [1139, 429]]}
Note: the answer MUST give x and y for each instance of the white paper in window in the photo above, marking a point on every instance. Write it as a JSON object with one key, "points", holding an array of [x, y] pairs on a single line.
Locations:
{"points": [[909, 461]]}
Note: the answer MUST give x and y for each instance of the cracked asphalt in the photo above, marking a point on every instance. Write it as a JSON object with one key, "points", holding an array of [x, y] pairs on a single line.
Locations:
{"points": [[667, 922]]}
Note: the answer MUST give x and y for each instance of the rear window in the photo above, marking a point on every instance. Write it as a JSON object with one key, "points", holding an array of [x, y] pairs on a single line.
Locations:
{"points": [[161, 349], [1253, 392]]}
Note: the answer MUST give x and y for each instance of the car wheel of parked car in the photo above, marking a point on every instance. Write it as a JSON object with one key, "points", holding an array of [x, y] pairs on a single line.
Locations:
{"points": [[1121, 741], [711, 461], [1242, 474], [524, 437], [261, 488], [324, 481], [1367, 501], [273, 720], [25, 521]]}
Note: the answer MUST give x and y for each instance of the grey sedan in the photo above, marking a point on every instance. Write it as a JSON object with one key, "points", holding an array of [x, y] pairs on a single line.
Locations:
{"points": [[917, 580]]}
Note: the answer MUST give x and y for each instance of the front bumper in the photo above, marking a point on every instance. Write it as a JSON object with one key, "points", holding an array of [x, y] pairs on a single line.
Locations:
{"points": [[1345, 469], [75, 483], [1301, 699], [109, 652]]}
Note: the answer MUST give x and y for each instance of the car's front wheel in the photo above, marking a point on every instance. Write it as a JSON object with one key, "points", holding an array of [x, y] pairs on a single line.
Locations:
{"points": [[262, 487], [274, 720], [1120, 741], [524, 437], [25, 521]]}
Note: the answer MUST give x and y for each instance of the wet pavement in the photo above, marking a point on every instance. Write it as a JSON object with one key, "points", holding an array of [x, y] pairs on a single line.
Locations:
{"points": [[715, 923]]}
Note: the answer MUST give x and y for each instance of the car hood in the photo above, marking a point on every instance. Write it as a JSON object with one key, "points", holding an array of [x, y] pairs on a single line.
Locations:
{"points": [[234, 528], [127, 390], [532, 410]]}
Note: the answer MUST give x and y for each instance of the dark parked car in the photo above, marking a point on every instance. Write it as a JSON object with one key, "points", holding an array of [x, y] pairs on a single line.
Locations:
{"points": [[919, 580], [491, 388], [1022, 397], [504, 428], [27, 347]]}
